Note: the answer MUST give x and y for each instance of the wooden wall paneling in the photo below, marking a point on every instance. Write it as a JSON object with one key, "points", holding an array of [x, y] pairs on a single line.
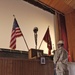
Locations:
{"points": [[1, 66], [14, 66], [45, 1], [70, 3], [70, 25], [5, 67], [17, 67], [9, 66], [25, 68], [58, 5]]}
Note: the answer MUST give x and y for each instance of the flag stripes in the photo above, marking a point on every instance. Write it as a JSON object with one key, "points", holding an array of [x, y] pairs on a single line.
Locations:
{"points": [[16, 32]]}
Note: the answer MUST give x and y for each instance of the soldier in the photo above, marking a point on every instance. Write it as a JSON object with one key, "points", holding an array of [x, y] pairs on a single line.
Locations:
{"points": [[54, 62], [61, 59]]}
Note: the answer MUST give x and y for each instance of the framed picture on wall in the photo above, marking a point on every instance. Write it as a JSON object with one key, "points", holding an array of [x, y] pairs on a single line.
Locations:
{"points": [[42, 60]]}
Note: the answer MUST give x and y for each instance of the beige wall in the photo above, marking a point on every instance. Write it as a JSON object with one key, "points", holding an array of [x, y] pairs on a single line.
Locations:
{"points": [[28, 17], [70, 24]]}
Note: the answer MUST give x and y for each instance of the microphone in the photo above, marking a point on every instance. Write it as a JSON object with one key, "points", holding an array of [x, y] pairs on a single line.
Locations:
{"points": [[35, 30]]}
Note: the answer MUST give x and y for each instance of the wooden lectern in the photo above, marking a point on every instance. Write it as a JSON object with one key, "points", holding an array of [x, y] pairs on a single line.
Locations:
{"points": [[34, 53]]}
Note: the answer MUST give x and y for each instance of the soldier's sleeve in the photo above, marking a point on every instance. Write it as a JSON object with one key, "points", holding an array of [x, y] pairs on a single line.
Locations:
{"points": [[55, 57]]}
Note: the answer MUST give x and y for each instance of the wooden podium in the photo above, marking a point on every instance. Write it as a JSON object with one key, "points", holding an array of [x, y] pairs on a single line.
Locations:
{"points": [[34, 53]]}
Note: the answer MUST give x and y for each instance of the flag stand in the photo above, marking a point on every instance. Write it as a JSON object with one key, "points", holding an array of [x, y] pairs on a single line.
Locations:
{"points": [[26, 43], [40, 44], [23, 36]]}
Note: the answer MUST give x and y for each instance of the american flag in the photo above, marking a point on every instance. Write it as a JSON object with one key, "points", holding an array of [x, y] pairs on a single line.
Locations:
{"points": [[16, 32], [47, 39]]}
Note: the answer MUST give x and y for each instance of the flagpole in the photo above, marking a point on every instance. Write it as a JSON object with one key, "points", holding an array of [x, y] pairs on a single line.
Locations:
{"points": [[40, 44], [23, 37], [42, 41], [25, 42]]}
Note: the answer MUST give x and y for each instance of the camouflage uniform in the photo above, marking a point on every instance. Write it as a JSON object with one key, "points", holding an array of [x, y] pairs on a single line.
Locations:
{"points": [[61, 59]]}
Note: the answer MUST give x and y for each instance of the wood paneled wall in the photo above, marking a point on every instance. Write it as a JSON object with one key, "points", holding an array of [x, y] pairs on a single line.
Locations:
{"points": [[70, 3], [59, 5], [13, 66], [70, 25]]}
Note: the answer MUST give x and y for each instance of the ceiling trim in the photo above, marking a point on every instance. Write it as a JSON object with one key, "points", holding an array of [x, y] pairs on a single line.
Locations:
{"points": [[40, 5]]}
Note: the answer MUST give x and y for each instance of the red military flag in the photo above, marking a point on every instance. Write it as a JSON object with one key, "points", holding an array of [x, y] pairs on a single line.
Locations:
{"points": [[47, 39], [16, 32]]}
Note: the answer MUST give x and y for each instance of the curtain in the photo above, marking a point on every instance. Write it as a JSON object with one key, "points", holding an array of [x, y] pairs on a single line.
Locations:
{"points": [[62, 32]]}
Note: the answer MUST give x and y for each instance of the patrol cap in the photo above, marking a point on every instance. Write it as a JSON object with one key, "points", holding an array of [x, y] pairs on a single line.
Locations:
{"points": [[60, 42]]}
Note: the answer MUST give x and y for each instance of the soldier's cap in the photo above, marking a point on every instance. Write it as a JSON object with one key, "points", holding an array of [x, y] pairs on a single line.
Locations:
{"points": [[60, 42]]}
